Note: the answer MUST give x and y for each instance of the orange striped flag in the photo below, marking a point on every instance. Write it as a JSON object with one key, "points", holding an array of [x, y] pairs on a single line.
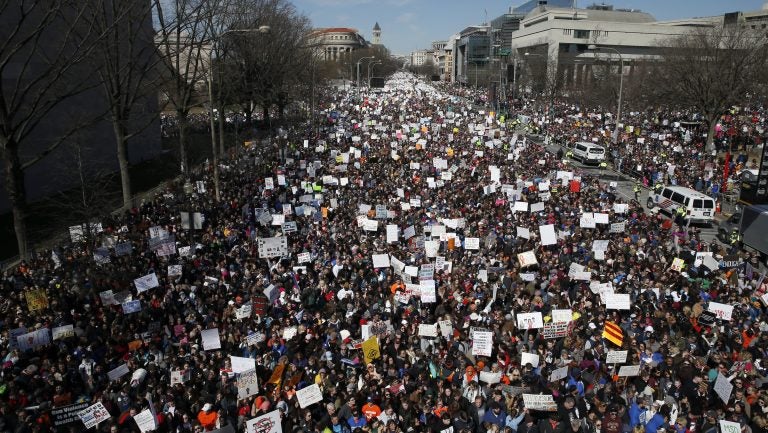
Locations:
{"points": [[612, 332]]}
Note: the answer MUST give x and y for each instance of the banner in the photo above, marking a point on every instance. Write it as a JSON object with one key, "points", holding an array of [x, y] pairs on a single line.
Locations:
{"points": [[67, 414], [539, 402]]}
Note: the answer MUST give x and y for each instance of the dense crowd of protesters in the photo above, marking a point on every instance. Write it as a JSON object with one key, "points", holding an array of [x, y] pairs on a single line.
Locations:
{"points": [[452, 182]]}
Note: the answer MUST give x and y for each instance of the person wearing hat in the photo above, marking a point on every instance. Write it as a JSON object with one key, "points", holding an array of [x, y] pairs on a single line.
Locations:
{"points": [[208, 417]]}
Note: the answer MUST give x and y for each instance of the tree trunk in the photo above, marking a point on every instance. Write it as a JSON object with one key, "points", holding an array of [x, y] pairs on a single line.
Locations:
{"points": [[17, 193], [267, 121], [711, 134], [222, 150], [183, 143], [122, 159]]}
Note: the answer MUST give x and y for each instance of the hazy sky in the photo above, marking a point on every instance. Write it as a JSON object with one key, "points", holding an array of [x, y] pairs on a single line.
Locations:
{"points": [[407, 25]]}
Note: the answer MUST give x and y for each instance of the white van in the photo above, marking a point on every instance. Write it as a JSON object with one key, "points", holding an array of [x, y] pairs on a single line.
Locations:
{"points": [[588, 153], [698, 207]]}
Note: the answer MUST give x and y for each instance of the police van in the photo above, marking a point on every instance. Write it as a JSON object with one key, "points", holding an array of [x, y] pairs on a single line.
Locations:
{"points": [[698, 207], [588, 153]]}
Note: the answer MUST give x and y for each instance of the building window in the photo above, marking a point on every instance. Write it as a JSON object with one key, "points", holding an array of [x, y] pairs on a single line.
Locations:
{"points": [[581, 34]]}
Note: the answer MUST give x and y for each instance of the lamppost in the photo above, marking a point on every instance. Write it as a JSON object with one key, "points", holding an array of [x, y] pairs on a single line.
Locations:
{"points": [[357, 65], [370, 68], [550, 112], [593, 47], [215, 156], [475, 63]]}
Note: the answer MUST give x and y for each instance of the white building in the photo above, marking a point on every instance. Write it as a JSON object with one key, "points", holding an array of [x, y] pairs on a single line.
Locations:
{"points": [[336, 43], [562, 36], [419, 57]]}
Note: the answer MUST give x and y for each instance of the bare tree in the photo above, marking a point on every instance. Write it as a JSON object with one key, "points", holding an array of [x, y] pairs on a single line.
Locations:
{"points": [[45, 47], [711, 69], [267, 65], [127, 72], [183, 38]]}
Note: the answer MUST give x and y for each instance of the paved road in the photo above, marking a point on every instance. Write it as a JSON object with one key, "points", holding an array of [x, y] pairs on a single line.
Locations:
{"points": [[624, 187]]}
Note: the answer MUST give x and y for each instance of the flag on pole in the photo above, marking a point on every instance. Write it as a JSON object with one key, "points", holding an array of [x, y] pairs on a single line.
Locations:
{"points": [[612, 332]]}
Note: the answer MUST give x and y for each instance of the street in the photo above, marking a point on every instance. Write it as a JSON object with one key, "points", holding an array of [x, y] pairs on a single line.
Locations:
{"points": [[624, 186]]}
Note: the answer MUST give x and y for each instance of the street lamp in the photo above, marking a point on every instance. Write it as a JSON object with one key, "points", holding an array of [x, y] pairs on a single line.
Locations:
{"points": [[357, 66], [215, 156], [621, 86], [370, 68]]}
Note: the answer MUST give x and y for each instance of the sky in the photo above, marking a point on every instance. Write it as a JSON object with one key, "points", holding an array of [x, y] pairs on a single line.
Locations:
{"points": [[408, 25]]}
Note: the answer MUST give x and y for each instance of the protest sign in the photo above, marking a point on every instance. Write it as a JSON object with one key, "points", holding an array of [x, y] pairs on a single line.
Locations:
{"points": [[629, 370], [427, 330], [616, 357], [211, 339], [33, 340], [560, 373], [145, 420], [241, 364], [490, 377], [64, 331], [146, 282], [392, 233], [64, 415], [380, 260], [530, 320], [131, 307], [559, 316], [247, 383], [539, 402], [529, 358], [272, 247], [472, 243], [722, 311], [309, 395], [93, 415], [547, 233], [729, 427], [118, 372], [36, 299], [555, 330], [723, 388], [617, 301], [527, 258], [244, 312], [370, 349], [523, 232], [482, 343], [267, 423]]}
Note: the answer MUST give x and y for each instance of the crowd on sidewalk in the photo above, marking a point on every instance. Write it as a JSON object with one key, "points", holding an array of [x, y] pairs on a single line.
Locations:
{"points": [[412, 269]]}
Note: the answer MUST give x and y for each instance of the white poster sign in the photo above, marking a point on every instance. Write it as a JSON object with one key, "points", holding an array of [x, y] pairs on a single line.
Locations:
{"points": [[267, 423], [723, 388], [241, 364], [722, 311], [559, 316], [309, 395], [616, 357], [146, 282], [211, 340], [482, 343], [548, 236], [617, 301], [273, 247], [629, 370], [530, 320], [539, 402]]}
